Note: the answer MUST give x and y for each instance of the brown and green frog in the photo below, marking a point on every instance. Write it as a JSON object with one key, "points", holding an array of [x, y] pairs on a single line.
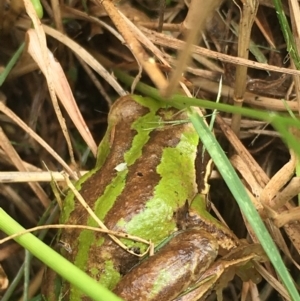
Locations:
{"points": [[148, 182]]}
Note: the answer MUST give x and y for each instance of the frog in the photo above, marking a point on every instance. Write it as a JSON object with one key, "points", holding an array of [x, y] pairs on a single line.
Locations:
{"points": [[147, 182]]}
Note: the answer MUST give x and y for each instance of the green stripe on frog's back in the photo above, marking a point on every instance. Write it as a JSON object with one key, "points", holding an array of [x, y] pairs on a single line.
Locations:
{"points": [[129, 126], [159, 179], [142, 134], [102, 154], [166, 172], [116, 183], [175, 184], [105, 148]]}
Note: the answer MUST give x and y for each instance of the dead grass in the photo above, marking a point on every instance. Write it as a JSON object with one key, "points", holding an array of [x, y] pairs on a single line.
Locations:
{"points": [[87, 47]]}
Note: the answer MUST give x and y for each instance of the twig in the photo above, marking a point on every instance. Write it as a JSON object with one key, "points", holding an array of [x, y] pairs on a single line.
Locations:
{"points": [[146, 62]]}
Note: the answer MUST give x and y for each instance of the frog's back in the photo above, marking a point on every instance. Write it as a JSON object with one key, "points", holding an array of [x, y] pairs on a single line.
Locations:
{"points": [[147, 175]]}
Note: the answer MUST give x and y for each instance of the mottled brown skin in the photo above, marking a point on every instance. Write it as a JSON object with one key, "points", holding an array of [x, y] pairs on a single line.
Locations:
{"points": [[184, 258], [225, 237], [92, 188], [187, 217], [135, 194], [132, 200]]}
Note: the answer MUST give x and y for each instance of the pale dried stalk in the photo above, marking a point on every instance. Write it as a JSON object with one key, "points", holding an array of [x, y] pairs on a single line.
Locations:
{"points": [[3, 279], [37, 38], [241, 150], [18, 163], [144, 40], [246, 21], [285, 217], [66, 226], [57, 15], [278, 181], [138, 51], [37, 138], [292, 229], [252, 99], [170, 42], [194, 23], [289, 192], [32, 176]]}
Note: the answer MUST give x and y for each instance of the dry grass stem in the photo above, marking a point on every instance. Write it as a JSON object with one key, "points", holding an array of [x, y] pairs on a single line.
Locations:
{"points": [[248, 13], [172, 43], [11, 152], [198, 12], [73, 56], [150, 67]]}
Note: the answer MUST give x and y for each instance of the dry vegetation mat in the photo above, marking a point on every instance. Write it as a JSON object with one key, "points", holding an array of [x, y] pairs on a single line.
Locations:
{"points": [[147, 78]]}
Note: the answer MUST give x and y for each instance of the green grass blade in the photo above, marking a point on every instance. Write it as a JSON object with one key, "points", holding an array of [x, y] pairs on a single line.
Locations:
{"points": [[55, 261], [287, 33], [11, 63], [237, 189], [280, 122]]}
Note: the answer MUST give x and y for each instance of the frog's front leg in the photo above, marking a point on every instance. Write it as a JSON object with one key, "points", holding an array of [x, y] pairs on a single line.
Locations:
{"points": [[175, 267], [198, 216]]}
